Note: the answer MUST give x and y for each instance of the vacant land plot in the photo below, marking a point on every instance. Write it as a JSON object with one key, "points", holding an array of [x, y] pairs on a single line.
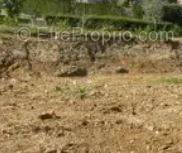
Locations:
{"points": [[100, 113], [123, 98]]}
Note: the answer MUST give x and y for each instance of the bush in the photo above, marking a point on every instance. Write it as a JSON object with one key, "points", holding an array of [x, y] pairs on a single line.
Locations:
{"points": [[98, 9], [24, 20], [72, 21], [172, 1], [10, 21], [172, 13], [117, 23], [123, 23], [2, 17], [138, 11], [13, 7], [153, 9], [55, 7]]}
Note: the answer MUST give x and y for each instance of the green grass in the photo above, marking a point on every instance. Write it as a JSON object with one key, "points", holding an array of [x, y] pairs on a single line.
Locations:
{"points": [[73, 91], [111, 21], [171, 80], [7, 29], [102, 23]]}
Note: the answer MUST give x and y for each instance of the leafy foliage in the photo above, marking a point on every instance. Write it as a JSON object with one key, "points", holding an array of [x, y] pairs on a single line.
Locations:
{"points": [[13, 7], [153, 9], [97, 22], [173, 13]]}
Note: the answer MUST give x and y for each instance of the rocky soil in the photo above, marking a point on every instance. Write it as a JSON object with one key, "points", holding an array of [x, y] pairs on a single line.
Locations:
{"points": [[86, 97], [70, 58]]}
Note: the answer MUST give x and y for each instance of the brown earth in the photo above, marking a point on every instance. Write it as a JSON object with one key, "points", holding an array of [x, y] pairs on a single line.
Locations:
{"points": [[55, 56], [103, 112]]}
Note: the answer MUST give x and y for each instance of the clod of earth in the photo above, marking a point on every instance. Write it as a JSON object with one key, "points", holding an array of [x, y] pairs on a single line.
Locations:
{"points": [[52, 151], [122, 70], [72, 71], [49, 115]]}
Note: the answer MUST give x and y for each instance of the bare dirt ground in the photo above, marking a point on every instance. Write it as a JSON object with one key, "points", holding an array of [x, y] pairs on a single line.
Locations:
{"points": [[129, 100], [96, 114]]}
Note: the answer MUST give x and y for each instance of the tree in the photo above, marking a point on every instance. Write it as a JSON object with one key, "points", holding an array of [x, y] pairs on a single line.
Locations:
{"points": [[33, 7], [153, 9], [13, 7]]}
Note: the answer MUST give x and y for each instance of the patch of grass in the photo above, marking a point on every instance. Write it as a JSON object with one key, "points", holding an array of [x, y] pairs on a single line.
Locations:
{"points": [[108, 21], [7, 29], [172, 80], [82, 92], [71, 91]]}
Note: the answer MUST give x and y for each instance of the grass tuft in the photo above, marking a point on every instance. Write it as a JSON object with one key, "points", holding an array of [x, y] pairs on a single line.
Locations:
{"points": [[173, 80]]}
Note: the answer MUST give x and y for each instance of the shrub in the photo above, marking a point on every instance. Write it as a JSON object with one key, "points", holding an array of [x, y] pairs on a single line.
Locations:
{"points": [[138, 11], [10, 21], [172, 13], [153, 9], [55, 7], [117, 23], [2, 17], [172, 1], [24, 21], [72, 21], [98, 9], [122, 23], [13, 7]]}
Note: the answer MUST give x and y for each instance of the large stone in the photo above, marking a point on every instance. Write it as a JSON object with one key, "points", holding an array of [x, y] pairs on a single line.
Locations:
{"points": [[72, 71]]}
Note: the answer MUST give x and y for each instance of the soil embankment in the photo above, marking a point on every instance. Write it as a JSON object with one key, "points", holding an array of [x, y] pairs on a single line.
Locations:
{"points": [[67, 58]]}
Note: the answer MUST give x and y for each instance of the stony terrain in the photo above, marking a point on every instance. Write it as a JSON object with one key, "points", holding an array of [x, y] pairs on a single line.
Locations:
{"points": [[125, 98]]}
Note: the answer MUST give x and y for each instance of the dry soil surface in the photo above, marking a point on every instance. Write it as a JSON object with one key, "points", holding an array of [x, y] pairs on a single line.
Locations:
{"points": [[95, 114]]}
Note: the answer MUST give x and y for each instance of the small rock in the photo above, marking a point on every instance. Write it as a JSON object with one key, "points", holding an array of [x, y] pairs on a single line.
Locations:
{"points": [[10, 86], [150, 127], [60, 134], [120, 121], [13, 81], [116, 109], [121, 70], [149, 86], [156, 132], [46, 116], [100, 65], [85, 123], [36, 129], [132, 141], [47, 128], [52, 151], [148, 147]]}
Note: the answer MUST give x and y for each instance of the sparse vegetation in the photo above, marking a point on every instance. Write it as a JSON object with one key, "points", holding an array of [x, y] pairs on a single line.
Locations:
{"points": [[171, 80], [73, 92], [13, 7], [89, 77], [131, 15], [173, 13]]}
